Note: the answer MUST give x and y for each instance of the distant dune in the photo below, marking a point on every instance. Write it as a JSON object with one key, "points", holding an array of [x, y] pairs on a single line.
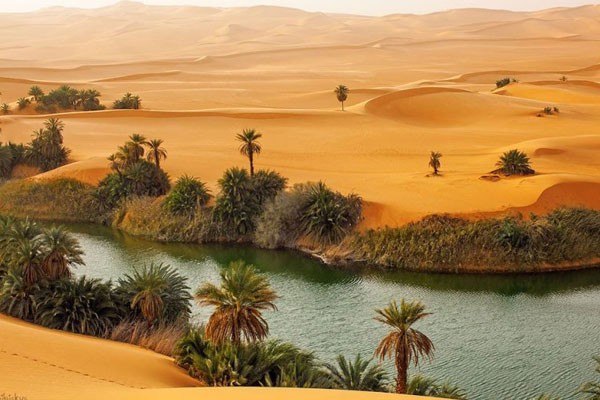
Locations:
{"points": [[418, 83]]}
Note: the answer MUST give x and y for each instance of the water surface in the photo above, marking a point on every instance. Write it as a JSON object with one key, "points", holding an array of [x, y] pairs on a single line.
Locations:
{"points": [[498, 337]]}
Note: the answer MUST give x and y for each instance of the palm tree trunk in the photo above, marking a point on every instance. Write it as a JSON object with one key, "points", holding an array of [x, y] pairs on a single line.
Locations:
{"points": [[402, 375], [157, 160], [251, 157], [342, 106]]}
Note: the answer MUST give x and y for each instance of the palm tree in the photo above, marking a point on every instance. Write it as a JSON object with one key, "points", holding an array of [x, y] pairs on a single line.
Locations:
{"points": [[28, 258], [514, 162], [239, 303], [36, 92], [61, 250], [135, 146], [157, 292], [156, 152], [420, 385], [341, 93], [115, 163], [250, 145], [434, 161], [5, 108], [55, 126], [357, 375], [23, 103], [403, 343]]}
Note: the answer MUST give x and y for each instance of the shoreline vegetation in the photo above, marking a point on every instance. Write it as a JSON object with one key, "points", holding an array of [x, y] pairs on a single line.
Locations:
{"points": [[259, 208]]}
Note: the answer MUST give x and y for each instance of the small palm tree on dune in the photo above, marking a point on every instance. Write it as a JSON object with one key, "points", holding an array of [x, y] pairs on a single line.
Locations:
{"points": [[250, 146], [341, 93], [514, 162], [156, 152], [404, 343], [434, 162], [239, 303]]}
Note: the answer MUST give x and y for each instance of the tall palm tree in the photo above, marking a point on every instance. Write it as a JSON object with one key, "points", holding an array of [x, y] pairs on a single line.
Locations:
{"points": [[36, 92], [55, 126], [239, 303], [341, 93], [156, 152], [434, 161], [514, 162], [61, 250], [28, 258], [136, 146], [403, 343], [250, 145], [357, 375]]}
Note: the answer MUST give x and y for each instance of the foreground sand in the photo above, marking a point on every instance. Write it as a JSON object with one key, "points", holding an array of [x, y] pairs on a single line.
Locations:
{"points": [[44, 364], [419, 83]]}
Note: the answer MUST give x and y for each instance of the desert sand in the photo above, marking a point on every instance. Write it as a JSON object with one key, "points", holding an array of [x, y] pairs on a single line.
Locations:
{"points": [[44, 364], [418, 83]]}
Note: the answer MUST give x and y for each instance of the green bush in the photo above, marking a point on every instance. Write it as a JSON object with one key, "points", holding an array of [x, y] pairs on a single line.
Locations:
{"points": [[187, 196], [86, 306], [328, 216], [271, 363], [142, 178]]}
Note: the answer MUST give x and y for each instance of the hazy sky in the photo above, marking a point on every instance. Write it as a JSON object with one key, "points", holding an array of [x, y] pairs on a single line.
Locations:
{"points": [[366, 7]]}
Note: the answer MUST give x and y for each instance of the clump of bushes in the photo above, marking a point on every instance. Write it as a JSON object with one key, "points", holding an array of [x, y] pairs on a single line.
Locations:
{"points": [[128, 102], [505, 82], [312, 210], [133, 176], [64, 98], [441, 243]]}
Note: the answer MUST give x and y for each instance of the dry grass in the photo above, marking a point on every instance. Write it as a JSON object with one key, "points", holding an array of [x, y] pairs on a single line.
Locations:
{"points": [[161, 339]]}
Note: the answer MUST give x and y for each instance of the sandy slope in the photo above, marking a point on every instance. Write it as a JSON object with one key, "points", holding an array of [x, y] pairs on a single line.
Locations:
{"points": [[419, 83], [43, 364]]}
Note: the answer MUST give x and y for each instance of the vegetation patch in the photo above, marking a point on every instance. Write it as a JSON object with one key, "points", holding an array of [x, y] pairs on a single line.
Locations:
{"points": [[568, 236]]}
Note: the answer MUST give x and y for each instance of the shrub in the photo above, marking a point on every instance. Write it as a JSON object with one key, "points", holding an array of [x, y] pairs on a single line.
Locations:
{"points": [[278, 226], [156, 293], [5, 108], [266, 185], [504, 82], [420, 385], [86, 306], [23, 103], [328, 216], [514, 162], [236, 206], [187, 196], [17, 299]]}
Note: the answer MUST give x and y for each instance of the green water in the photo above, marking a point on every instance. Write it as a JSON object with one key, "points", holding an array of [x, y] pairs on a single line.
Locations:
{"points": [[498, 337]]}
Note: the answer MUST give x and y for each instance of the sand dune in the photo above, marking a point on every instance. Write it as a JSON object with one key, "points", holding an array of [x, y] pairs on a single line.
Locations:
{"points": [[44, 364], [418, 83]]}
